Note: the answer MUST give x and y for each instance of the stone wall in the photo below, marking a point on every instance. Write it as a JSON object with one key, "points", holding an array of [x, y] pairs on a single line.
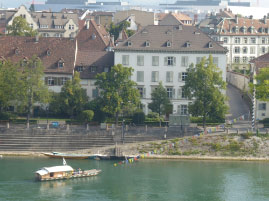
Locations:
{"points": [[238, 80]]}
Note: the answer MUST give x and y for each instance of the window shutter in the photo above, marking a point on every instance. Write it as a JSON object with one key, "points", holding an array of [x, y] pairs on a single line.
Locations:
{"points": [[166, 61], [157, 76], [174, 93], [179, 95], [167, 77], [179, 109], [152, 77], [174, 61], [46, 80], [144, 92], [179, 77]]}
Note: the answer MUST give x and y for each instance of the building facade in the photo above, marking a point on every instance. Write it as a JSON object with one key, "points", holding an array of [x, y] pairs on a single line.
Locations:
{"points": [[163, 54]]}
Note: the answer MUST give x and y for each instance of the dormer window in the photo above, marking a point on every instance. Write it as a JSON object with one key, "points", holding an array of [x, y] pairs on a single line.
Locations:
{"points": [[71, 27], [147, 43], [93, 69], [17, 51], [93, 36], [187, 44], [244, 29], [210, 45], [61, 63], [168, 44], [80, 69], [48, 52], [251, 29], [144, 31], [129, 43]]}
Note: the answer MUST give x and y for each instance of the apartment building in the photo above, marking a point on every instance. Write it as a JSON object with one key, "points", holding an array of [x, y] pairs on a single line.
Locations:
{"points": [[163, 54]]}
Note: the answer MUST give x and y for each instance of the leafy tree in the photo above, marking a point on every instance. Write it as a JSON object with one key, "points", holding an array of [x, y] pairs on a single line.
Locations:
{"points": [[117, 90], [33, 89], [262, 84], [204, 84], [96, 106], [87, 115], [10, 85], [73, 97], [20, 27], [139, 117], [160, 104], [116, 29]]}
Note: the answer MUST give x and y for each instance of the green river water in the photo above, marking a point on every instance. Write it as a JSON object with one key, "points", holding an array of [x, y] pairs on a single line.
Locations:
{"points": [[145, 180]]}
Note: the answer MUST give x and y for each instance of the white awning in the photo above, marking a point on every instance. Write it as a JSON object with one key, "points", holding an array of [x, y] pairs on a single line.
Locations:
{"points": [[46, 170]]}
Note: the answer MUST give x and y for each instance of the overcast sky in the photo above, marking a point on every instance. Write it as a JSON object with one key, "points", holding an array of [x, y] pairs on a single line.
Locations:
{"points": [[17, 3]]}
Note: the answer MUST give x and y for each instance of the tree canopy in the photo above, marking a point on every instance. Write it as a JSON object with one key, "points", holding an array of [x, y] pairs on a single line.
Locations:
{"points": [[262, 84], [116, 29], [20, 27], [204, 85], [160, 104], [73, 97], [117, 91]]}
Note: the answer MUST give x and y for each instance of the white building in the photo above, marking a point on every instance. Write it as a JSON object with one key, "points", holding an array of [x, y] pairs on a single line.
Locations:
{"points": [[163, 54], [244, 38]]}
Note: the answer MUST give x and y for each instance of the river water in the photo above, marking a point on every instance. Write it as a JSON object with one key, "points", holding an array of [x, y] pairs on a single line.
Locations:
{"points": [[144, 180]]}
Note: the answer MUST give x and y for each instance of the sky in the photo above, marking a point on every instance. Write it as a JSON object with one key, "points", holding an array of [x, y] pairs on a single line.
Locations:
{"points": [[17, 3]]}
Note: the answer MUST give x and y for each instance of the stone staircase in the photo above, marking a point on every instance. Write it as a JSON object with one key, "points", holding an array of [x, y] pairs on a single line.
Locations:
{"points": [[55, 142]]}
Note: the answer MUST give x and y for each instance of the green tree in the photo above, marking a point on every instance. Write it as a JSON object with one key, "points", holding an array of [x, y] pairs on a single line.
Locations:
{"points": [[262, 84], [10, 85], [204, 84], [34, 90], [116, 29], [73, 97], [20, 27], [87, 115], [160, 104], [117, 90]]}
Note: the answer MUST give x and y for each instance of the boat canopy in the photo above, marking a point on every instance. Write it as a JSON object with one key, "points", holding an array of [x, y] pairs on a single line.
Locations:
{"points": [[46, 170]]}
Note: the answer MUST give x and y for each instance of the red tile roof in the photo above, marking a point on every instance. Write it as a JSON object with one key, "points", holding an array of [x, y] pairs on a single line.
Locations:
{"points": [[60, 48]]}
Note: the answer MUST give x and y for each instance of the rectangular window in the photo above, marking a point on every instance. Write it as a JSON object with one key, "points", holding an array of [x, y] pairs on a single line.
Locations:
{"points": [[253, 40], [245, 50], [263, 40], [262, 106], [155, 76], [251, 58], [140, 60], [246, 40], [245, 59], [170, 61], [169, 76], [184, 75], [93, 69], [252, 50], [140, 76], [225, 40], [237, 50], [183, 109], [64, 80], [184, 61], [51, 81], [216, 61], [237, 40], [263, 50], [155, 60], [236, 59], [198, 59], [181, 93], [169, 92], [141, 91], [125, 60]]}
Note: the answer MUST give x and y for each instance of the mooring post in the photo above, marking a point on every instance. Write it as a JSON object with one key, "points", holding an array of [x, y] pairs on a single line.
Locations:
{"points": [[27, 125], [67, 127], [7, 125], [48, 126], [87, 127], [146, 128]]}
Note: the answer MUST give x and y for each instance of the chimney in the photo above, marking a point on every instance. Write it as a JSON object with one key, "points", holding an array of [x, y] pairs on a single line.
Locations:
{"points": [[251, 17], [37, 38], [236, 19], [88, 24], [265, 19]]}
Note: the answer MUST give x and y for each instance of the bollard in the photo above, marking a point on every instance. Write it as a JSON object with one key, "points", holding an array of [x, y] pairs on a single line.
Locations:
{"points": [[164, 136], [165, 129], [28, 125], [67, 127], [146, 128], [87, 127], [106, 127], [7, 125], [48, 126]]}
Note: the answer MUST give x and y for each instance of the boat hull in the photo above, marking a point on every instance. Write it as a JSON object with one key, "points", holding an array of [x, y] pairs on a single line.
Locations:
{"points": [[66, 156]]}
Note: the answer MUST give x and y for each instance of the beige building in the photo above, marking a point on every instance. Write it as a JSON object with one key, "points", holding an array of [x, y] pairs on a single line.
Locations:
{"points": [[142, 18], [48, 24]]}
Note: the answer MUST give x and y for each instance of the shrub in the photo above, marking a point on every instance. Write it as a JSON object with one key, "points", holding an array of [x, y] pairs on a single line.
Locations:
{"points": [[139, 118]]}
